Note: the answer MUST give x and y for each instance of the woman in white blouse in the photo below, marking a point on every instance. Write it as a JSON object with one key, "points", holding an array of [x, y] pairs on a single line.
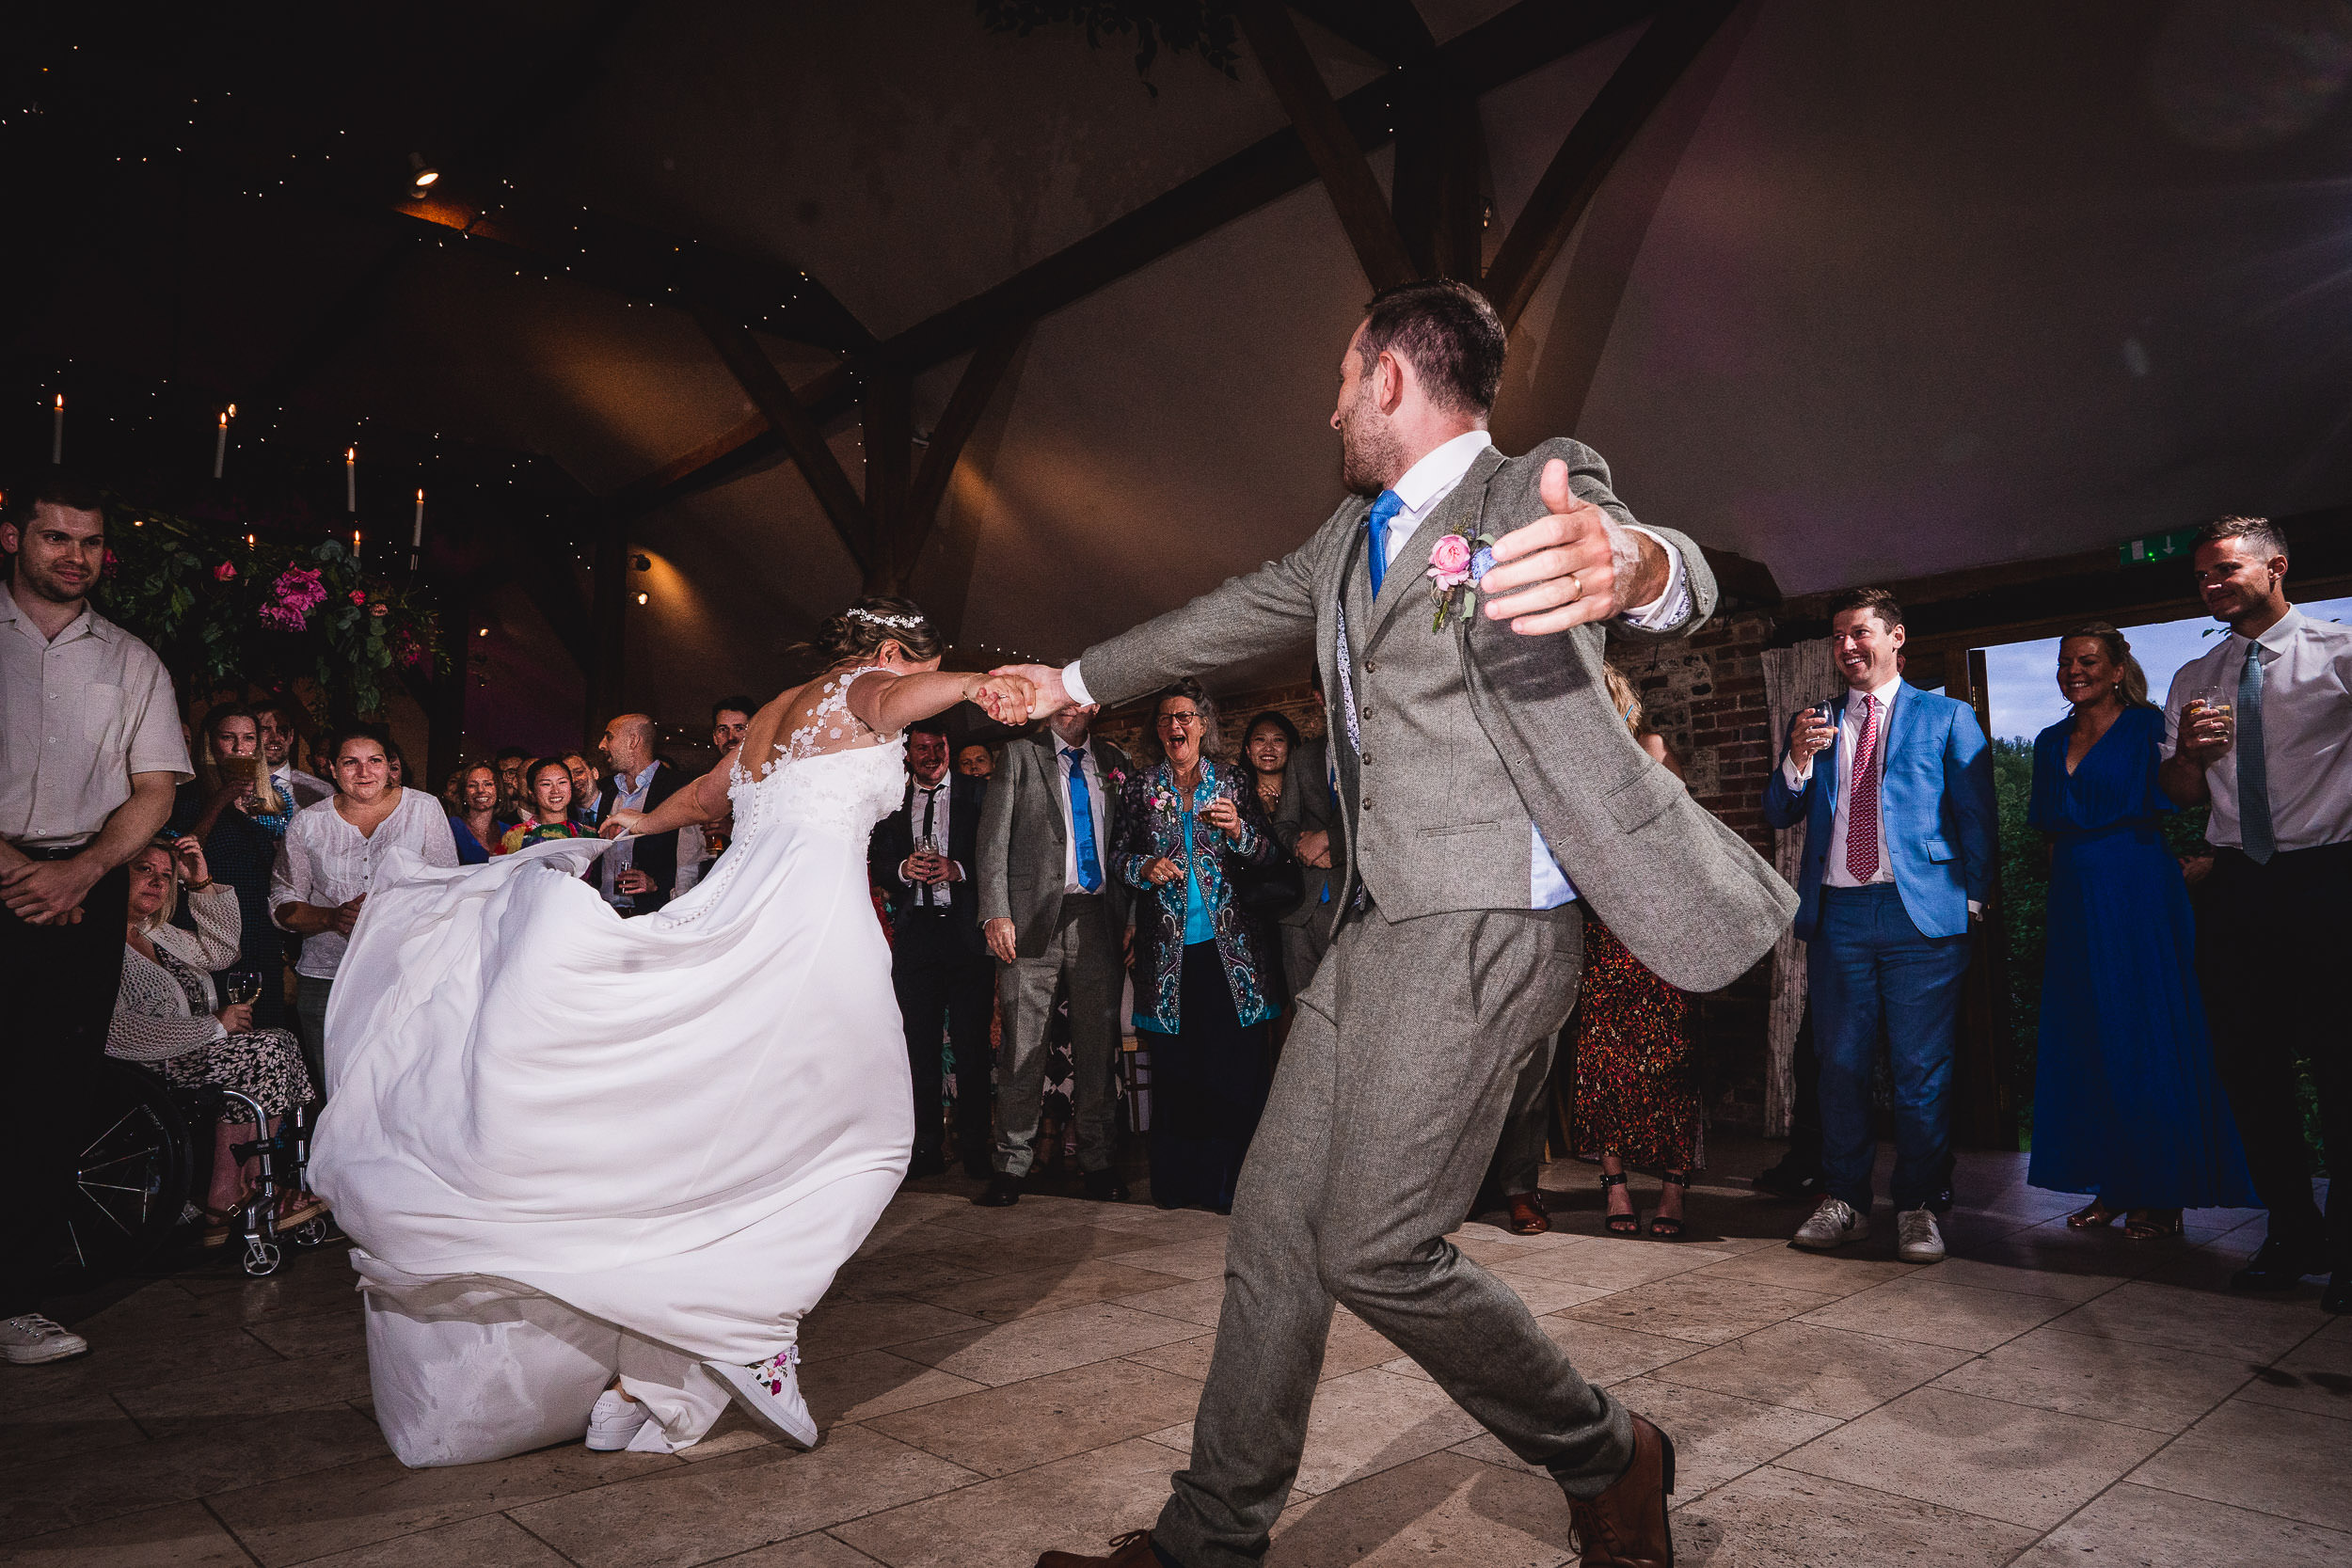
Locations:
{"points": [[168, 1018], [332, 850]]}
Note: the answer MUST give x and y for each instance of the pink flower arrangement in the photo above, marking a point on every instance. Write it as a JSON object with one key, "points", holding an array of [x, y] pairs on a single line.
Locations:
{"points": [[358, 595], [1449, 561], [225, 572], [298, 590], [380, 610]]}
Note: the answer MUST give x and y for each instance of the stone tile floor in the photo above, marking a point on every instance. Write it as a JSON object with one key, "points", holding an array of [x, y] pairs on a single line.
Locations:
{"points": [[997, 1382]]}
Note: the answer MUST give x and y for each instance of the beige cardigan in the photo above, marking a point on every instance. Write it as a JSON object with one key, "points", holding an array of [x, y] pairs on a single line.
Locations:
{"points": [[153, 1020]]}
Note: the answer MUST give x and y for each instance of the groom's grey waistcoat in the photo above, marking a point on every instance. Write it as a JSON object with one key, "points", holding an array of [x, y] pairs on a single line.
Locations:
{"points": [[1469, 733]]}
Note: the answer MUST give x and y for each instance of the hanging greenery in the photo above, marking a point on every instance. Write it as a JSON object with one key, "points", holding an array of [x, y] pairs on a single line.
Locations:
{"points": [[222, 606], [1183, 26]]}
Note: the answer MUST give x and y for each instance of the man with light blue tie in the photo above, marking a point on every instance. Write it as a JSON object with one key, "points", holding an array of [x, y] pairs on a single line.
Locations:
{"points": [[1054, 918], [1896, 794]]}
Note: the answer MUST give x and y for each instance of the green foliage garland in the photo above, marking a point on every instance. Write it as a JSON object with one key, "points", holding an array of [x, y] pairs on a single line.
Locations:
{"points": [[221, 611]]}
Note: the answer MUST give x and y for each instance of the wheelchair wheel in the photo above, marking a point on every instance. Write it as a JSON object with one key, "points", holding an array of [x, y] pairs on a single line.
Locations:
{"points": [[313, 1233], [133, 1173], [262, 1258]]}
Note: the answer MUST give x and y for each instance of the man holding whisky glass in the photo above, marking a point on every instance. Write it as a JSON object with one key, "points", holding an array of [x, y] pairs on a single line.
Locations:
{"points": [[2260, 728]]}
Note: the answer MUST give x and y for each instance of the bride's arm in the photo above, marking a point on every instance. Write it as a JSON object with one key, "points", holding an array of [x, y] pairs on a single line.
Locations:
{"points": [[887, 704], [704, 801]]}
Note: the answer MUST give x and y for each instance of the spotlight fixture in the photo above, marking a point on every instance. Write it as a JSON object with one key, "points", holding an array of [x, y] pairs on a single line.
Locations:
{"points": [[421, 175], [643, 599], [641, 562]]}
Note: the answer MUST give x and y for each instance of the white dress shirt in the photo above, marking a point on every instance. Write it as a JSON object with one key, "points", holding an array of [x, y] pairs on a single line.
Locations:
{"points": [[629, 794], [1096, 800], [1424, 486], [1851, 717], [327, 862], [298, 788], [939, 800], [2307, 730], [79, 715]]}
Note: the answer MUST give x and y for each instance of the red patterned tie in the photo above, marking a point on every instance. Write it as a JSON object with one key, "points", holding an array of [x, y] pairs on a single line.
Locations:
{"points": [[1861, 811]]}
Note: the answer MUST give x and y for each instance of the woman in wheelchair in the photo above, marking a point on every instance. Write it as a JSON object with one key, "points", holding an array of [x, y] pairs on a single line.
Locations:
{"points": [[167, 1017]]}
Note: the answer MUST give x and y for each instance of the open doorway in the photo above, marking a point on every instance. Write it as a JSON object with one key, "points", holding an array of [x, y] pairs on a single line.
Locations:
{"points": [[2020, 688]]}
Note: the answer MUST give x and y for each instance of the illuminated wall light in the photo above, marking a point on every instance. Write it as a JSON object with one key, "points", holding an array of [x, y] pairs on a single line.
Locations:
{"points": [[643, 599]]}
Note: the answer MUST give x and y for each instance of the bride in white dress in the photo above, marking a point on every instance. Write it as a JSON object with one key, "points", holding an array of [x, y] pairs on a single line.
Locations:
{"points": [[596, 1166]]}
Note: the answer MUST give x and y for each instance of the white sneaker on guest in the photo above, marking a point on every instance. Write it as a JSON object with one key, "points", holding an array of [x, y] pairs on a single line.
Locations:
{"points": [[1918, 1240], [1832, 1223], [771, 1390], [615, 1423], [31, 1339]]}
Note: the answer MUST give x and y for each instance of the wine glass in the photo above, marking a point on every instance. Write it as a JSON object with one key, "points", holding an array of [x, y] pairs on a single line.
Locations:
{"points": [[238, 986]]}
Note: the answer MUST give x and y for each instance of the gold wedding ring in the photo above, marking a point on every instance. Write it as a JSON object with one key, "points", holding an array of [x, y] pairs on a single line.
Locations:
{"points": [[1580, 586]]}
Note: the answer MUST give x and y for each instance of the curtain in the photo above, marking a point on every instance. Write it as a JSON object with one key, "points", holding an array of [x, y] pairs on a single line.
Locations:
{"points": [[1793, 679]]}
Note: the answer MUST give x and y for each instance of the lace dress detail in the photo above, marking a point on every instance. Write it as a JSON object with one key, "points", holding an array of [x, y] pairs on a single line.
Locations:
{"points": [[834, 773]]}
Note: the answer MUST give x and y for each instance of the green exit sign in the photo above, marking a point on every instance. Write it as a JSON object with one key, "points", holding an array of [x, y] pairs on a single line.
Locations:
{"points": [[2156, 547]]}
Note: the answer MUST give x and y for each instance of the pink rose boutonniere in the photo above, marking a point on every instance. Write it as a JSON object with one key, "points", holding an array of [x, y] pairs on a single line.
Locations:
{"points": [[1457, 563]]}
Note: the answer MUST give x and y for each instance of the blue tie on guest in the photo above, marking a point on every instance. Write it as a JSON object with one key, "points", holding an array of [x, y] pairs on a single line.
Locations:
{"points": [[1082, 821], [1384, 511]]}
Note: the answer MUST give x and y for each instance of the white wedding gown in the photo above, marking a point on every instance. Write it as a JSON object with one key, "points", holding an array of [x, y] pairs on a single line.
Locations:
{"points": [[568, 1144]]}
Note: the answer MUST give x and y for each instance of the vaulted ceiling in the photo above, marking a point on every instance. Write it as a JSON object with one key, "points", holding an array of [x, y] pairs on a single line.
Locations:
{"points": [[1875, 290]]}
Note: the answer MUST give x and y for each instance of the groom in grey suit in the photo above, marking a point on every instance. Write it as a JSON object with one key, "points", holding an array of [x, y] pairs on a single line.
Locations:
{"points": [[1487, 783]]}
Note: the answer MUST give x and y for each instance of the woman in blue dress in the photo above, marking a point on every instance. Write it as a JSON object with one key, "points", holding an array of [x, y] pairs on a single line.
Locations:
{"points": [[2126, 1103]]}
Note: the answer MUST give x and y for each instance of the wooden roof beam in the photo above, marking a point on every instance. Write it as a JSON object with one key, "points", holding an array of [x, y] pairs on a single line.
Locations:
{"points": [[1531, 34], [1306, 98], [734, 451], [1594, 144], [765, 386]]}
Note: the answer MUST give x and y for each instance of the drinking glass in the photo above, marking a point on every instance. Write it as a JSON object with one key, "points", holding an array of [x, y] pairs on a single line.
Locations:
{"points": [[241, 984]]}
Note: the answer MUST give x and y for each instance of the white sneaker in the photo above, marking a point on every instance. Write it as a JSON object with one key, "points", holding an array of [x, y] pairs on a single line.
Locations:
{"points": [[771, 1390], [1916, 1237], [614, 1421], [1832, 1223], [31, 1339]]}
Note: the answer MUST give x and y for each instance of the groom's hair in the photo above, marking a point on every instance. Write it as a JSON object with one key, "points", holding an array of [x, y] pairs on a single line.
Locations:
{"points": [[1449, 331]]}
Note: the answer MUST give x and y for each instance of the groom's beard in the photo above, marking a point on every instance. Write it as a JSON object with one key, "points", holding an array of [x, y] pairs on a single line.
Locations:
{"points": [[1368, 448]]}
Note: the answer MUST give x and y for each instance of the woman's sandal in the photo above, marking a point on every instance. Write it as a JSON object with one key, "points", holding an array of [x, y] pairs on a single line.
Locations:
{"points": [[1627, 1224], [2151, 1225], [2095, 1217], [1665, 1227]]}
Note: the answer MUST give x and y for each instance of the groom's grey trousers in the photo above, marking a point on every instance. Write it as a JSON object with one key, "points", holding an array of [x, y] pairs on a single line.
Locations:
{"points": [[1393, 1087]]}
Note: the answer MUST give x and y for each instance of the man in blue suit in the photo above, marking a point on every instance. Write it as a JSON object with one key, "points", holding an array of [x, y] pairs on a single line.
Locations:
{"points": [[1895, 793]]}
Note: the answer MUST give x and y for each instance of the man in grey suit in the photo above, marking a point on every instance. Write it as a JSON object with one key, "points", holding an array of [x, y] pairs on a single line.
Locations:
{"points": [[1052, 914], [1486, 781]]}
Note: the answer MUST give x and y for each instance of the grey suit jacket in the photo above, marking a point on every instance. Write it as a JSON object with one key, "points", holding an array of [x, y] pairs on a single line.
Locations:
{"points": [[1307, 807], [1470, 733], [1023, 847]]}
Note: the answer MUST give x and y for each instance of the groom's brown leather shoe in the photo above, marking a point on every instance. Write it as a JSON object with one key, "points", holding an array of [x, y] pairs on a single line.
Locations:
{"points": [[1131, 1550], [1529, 1217], [1625, 1526]]}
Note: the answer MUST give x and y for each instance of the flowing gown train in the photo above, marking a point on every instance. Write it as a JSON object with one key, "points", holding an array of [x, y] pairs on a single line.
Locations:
{"points": [[567, 1145]]}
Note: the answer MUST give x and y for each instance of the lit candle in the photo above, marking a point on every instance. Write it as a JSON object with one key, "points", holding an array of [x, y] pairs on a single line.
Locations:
{"points": [[416, 536], [351, 480], [56, 433], [355, 549], [220, 446]]}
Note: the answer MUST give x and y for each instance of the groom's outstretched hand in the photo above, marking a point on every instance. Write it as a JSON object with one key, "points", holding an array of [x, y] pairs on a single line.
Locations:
{"points": [[1052, 696], [1574, 565]]}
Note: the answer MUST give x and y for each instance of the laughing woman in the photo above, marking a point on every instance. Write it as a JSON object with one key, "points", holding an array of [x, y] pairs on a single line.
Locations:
{"points": [[2126, 1103], [1202, 996]]}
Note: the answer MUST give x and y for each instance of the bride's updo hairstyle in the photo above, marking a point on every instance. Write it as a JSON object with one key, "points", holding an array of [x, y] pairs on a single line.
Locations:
{"points": [[858, 633]]}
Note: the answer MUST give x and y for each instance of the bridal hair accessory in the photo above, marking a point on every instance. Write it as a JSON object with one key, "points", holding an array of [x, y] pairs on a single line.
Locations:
{"points": [[910, 622]]}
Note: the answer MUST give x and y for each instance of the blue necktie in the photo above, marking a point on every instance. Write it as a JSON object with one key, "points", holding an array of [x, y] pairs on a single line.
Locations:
{"points": [[2253, 781], [1082, 821], [1386, 507]]}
